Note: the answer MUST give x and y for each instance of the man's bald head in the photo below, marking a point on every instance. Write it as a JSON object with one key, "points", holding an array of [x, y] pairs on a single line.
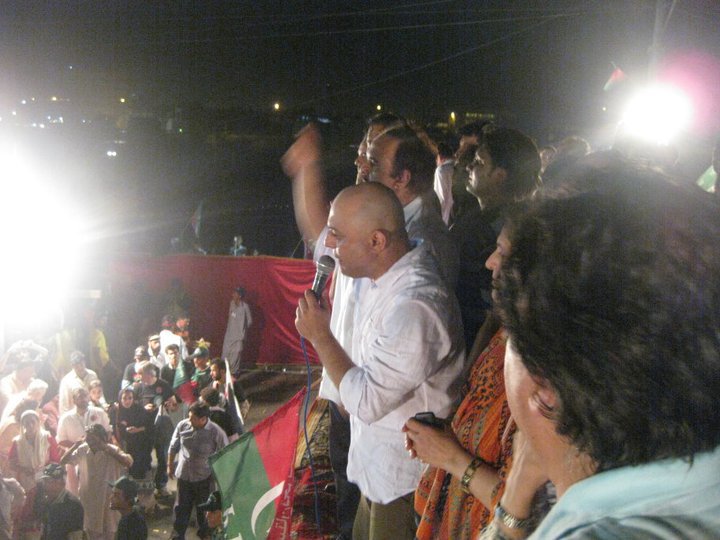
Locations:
{"points": [[367, 230], [372, 206]]}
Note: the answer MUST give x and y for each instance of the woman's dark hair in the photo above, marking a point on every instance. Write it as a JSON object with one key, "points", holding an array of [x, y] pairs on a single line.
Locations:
{"points": [[612, 297]]}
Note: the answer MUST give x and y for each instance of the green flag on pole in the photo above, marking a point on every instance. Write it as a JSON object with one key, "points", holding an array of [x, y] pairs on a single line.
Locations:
{"points": [[255, 476], [708, 179], [182, 384]]}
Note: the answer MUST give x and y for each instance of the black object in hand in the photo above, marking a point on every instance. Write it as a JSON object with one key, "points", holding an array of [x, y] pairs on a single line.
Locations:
{"points": [[429, 419]]}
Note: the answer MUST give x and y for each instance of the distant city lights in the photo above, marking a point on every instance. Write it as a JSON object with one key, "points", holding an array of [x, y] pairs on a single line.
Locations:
{"points": [[378, 107]]}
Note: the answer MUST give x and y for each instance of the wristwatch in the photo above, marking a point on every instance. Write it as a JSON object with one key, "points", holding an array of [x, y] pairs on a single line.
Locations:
{"points": [[510, 521]]}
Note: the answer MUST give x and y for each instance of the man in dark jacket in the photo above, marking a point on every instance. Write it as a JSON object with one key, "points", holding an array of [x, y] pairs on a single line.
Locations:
{"points": [[62, 513], [132, 523]]}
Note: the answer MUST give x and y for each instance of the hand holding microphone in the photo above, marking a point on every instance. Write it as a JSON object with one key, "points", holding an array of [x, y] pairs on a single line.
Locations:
{"points": [[312, 318]]}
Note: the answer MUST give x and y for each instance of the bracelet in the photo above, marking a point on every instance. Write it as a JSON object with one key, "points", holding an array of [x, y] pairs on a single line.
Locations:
{"points": [[492, 532], [510, 521], [469, 473]]}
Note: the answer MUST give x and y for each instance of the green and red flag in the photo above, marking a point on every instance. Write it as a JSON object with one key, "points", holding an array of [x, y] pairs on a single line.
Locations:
{"points": [[182, 384], [616, 77], [255, 476], [708, 180]]}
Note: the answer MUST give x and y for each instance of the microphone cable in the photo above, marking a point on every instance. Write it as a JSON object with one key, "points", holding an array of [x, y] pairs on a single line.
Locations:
{"points": [[316, 496]]}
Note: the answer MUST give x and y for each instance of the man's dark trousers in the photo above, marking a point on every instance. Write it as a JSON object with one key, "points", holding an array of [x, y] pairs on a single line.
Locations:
{"points": [[348, 494], [190, 494]]}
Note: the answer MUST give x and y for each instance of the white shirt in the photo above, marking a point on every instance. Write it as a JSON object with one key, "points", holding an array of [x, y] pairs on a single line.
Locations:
{"points": [[69, 383], [158, 361], [72, 426], [443, 187], [239, 320], [424, 225], [168, 338], [96, 470], [407, 348]]}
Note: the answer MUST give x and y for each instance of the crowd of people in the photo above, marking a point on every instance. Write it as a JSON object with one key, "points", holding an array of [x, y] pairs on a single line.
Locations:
{"points": [[518, 341], [79, 464]]}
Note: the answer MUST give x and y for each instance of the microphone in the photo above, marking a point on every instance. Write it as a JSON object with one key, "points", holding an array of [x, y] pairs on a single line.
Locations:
{"points": [[325, 267]]}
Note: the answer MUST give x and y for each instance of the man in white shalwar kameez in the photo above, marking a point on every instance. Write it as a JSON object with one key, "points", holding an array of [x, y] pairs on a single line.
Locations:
{"points": [[239, 320]]}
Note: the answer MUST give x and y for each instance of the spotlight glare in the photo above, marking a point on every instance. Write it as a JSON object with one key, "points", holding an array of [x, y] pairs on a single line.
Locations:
{"points": [[40, 237], [657, 114]]}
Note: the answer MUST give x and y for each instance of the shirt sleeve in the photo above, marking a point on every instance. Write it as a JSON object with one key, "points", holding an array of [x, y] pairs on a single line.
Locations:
{"points": [[399, 354], [61, 430], [221, 439], [74, 457], [122, 454], [174, 447]]}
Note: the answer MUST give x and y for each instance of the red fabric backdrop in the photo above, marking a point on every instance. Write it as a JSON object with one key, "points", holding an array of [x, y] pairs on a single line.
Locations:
{"points": [[273, 286]]}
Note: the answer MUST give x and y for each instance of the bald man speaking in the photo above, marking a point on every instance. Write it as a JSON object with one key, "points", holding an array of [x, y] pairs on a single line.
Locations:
{"points": [[407, 351]]}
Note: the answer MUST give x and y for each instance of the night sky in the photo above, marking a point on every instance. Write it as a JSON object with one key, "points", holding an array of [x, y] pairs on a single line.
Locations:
{"points": [[540, 61], [540, 65]]}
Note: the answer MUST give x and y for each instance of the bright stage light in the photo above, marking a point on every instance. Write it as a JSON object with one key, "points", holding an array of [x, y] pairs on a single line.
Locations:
{"points": [[657, 114], [40, 239]]}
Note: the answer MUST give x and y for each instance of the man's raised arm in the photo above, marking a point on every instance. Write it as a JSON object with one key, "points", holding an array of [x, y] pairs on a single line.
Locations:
{"points": [[303, 164]]}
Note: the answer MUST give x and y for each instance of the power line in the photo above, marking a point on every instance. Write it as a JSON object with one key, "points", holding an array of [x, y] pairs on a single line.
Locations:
{"points": [[432, 63], [396, 28], [396, 10]]}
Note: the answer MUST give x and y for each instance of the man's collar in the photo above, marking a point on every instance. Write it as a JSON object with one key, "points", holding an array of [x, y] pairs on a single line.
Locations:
{"points": [[402, 263], [411, 209]]}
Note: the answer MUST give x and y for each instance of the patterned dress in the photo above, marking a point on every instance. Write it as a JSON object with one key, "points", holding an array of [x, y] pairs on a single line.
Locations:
{"points": [[445, 511]]}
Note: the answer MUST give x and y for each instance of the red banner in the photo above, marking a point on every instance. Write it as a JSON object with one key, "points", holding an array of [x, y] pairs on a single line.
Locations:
{"points": [[273, 286]]}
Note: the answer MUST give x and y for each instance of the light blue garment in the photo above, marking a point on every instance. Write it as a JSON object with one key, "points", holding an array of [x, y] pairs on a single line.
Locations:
{"points": [[193, 448], [666, 499]]}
